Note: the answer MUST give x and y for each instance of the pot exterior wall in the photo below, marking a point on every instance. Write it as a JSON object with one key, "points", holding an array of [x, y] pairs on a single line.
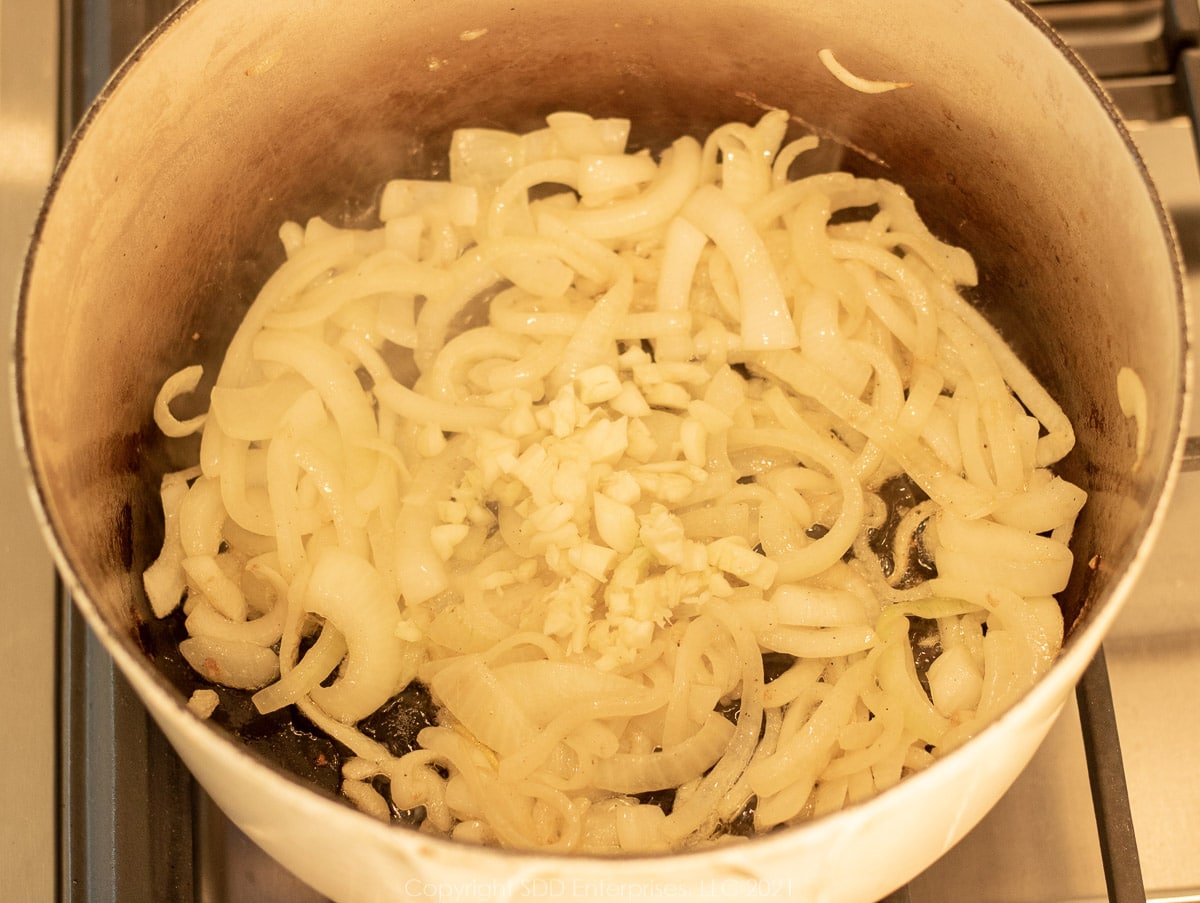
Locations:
{"points": [[162, 221]]}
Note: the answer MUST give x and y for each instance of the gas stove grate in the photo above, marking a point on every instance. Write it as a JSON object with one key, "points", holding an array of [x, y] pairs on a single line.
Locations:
{"points": [[115, 765]]}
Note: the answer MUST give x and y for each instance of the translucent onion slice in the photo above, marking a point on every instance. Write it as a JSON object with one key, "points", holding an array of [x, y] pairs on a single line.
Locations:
{"points": [[856, 82], [231, 663], [986, 552], [546, 689], [470, 691], [180, 383], [318, 663], [349, 592], [633, 773]]}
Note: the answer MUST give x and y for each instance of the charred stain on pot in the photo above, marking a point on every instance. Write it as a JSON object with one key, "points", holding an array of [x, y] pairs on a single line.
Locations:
{"points": [[925, 640], [122, 535], [900, 495], [742, 824], [396, 724], [664, 799], [854, 215], [119, 455], [285, 738]]}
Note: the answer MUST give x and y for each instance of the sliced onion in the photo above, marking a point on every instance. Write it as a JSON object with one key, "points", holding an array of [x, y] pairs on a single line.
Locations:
{"points": [[986, 552], [546, 689], [347, 591], [470, 691], [1043, 507], [632, 773], [318, 663], [231, 663], [814, 606], [255, 412], [898, 679], [955, 683], [164, 580], [180, 383]]}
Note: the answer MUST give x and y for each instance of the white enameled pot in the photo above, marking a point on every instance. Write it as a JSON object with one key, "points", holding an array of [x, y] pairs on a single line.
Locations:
{"points": [[162, 218]]}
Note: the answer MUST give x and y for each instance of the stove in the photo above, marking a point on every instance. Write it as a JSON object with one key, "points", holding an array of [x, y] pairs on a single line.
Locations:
{"points": [[1109, 809]]}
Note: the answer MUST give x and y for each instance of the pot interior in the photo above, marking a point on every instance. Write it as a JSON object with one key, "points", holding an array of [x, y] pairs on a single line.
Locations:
{"points": [[162, 222]]}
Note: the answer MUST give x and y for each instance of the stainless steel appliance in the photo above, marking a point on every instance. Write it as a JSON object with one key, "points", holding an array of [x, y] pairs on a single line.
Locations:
{"points": [[99, 809]]}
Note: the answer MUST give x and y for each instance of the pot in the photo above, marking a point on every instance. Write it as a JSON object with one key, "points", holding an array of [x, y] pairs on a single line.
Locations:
{"points": [[161, 223]]}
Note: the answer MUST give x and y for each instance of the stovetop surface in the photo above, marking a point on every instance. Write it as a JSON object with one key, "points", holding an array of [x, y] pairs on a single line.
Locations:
{"points": [[1039, 845]]}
